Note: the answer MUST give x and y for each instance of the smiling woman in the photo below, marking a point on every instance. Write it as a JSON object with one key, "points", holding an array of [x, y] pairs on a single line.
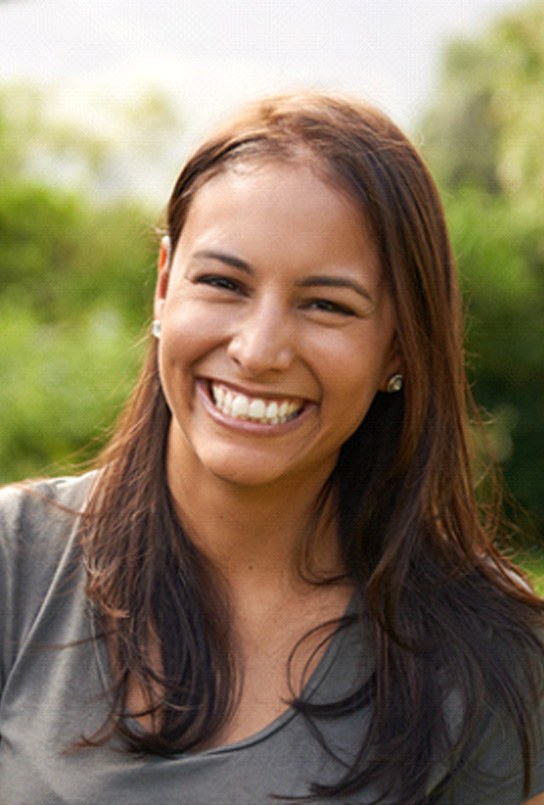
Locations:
{"points": [[276, 585], [273, 300]]}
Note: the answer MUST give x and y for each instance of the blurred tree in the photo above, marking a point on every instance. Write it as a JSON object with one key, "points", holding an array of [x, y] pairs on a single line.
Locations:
{"points": [[483, 139], [76, 281]]}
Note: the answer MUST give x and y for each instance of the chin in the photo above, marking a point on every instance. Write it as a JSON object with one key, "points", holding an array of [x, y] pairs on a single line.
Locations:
{"points": [[248, 475], [261, 469]]}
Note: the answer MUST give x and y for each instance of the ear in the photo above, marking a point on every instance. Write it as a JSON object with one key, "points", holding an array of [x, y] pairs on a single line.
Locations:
{"points": [[393, 365], [163, 276]]}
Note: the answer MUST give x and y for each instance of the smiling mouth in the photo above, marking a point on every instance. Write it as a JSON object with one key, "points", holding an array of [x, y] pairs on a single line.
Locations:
{"points": [[254, 409]]}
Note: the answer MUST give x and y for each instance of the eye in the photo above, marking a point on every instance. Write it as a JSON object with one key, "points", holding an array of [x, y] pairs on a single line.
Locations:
{"points": [[327, 306], [220, 282]]}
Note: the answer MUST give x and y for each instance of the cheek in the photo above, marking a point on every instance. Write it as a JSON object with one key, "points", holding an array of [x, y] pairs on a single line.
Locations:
{"points": [[354, 368], [355, 408], [188, 333], [351, 378]]}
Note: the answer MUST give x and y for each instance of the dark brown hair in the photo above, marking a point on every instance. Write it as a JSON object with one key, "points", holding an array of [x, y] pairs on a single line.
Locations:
{"points": [[424, 560]]}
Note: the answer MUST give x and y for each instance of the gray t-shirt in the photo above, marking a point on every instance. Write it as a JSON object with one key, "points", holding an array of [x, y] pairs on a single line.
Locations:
{"points": [[53, 694]]}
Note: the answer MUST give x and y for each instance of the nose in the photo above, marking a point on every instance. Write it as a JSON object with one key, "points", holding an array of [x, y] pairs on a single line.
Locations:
{"points": [[263, 341]]}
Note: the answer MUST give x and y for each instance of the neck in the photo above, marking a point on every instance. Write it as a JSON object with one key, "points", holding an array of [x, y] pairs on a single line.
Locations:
{"points": [[241, 528]]}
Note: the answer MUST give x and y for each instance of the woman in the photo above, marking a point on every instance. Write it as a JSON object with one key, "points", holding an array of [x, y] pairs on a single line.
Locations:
{"points": [[278, 587]]}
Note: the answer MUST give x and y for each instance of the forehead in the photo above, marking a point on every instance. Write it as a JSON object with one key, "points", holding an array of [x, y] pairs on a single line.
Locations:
{"points": [[283, 225], [298, 164], [271, 198]]}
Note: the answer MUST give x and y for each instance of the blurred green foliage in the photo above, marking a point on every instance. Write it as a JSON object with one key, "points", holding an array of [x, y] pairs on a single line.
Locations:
{"points": [[76, 282], [483, 140], [532, 561]]}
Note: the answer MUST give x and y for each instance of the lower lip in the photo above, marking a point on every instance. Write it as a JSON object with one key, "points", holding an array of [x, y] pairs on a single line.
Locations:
{"points": [[245, 425]]}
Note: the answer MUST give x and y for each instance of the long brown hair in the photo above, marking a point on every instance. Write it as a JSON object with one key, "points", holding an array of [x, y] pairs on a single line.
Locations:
{"points": [[413, 539]]}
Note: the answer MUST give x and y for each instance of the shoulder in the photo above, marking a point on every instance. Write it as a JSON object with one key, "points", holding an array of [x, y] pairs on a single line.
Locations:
{"points": [[39, 552], [490, 768], [31, 507], [38, 531], [40, 514], [37, 521], [39, 556], [506, 722], [65, 490]]}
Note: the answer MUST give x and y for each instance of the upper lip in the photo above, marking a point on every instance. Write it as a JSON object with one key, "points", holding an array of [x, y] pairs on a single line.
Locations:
{"points": [[256, 392]]}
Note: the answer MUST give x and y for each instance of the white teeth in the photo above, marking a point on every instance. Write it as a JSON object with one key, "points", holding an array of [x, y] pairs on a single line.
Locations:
{"points": [[219, 395], [271, 410], [240, 406], [255, 409]]}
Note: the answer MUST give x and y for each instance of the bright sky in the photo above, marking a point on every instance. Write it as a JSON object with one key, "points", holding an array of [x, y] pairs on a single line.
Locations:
{"points": [[211, 56], [386, 49]]}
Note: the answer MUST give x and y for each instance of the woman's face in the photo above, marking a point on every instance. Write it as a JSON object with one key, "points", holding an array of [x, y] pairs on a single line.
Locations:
{"points": [[277, 330]]}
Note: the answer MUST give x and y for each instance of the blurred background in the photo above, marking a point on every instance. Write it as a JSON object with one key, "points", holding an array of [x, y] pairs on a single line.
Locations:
{"points": [[100, 102]]}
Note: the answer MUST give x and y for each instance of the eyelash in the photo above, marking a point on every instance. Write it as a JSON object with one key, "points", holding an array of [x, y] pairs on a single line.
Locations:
{"points": [[223, 283], [228, 284], [327, 306]]}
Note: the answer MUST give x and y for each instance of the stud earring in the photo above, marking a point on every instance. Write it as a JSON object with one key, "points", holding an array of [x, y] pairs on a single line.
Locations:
{"points": [[394, 383], [156, 328]]}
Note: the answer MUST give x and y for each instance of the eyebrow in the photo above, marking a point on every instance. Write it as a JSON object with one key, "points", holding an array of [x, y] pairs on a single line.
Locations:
{"points": [[322, 281], [314, 281], [229, 259]]}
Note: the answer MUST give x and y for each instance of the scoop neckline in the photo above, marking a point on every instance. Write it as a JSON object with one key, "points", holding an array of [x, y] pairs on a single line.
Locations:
{"points": [[314, 682], [310, 688]]}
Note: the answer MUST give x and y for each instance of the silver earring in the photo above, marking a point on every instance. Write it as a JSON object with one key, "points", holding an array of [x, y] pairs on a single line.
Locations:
{"points": [[394, 383], [156, 328]]}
